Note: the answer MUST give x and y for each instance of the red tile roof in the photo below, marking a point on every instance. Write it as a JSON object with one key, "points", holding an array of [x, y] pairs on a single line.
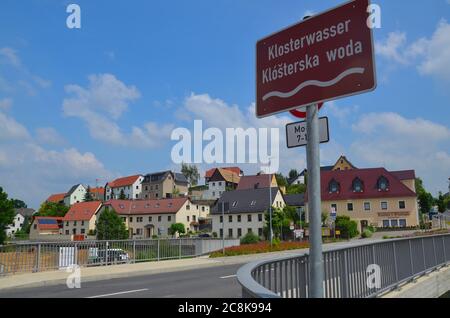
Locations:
{"points": [[161, 206], [404, 174], [122, 182], [254, 182], [55, 198], [82, 211], [99, 191], [210, 172], [369, 177]]}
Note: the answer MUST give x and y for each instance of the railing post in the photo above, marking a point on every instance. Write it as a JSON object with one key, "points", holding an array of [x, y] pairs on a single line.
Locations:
{"points": [[38, 257], [158, 250], [443, 247], [395, 262], [411, 258], [179, 249], [434, 249], [134, 251], [75, 254], [345, 278]]}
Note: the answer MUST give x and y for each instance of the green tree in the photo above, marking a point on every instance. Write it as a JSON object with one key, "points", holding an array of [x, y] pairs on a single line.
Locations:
{"points": [[348, 227], [293, 174], [52, 209], [19, 204], [281, 180], [88, 195], [26, 224], [110, 226], [280, 223], [425, 198], [7, 214], [191, 173], [177, 228], [442, 202], [122, 195], [296, 189]]}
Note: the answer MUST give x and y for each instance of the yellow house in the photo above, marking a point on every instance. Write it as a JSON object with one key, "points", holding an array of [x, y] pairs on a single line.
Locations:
{"points": [[373, 196]]}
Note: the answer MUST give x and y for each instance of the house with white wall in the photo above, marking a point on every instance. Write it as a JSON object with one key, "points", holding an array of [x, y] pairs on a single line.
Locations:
{"points": [[131, 187], [75, 195], [221, 180], [16, 225], [145, 218], [244, 211]]}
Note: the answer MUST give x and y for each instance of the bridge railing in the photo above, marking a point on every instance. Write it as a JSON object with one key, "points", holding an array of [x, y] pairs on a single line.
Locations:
{"points": [[45, 256], [355, 272]]}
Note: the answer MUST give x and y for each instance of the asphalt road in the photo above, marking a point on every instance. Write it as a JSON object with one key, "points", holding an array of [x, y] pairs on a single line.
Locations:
{"points": [[211, 282]]}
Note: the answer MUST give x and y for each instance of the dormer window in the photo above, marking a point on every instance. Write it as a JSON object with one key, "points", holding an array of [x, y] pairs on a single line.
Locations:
{"points": [[383, 184], [234, 204], [357, 185], [333, 186]]}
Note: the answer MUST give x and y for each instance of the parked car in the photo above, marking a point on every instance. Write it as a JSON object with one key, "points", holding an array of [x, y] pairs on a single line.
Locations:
{"points": [[204, 235], [109, 256]]}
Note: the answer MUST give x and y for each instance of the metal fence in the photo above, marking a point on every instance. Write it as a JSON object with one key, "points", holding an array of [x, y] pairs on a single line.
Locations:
{"points": [[35, 257], [349, 272]]}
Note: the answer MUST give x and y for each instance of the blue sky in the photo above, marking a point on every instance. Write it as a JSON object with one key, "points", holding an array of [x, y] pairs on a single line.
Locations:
{"points": [[101, 101]]}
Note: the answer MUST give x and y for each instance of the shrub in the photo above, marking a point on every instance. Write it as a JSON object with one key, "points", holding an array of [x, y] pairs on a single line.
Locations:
{"points": [[348, 227], [214, 234], [366, 233], [154, 236], [250, 238], [261, 247]]}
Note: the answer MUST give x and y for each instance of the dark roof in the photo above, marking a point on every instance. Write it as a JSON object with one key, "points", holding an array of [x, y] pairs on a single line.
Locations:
{"points": [[72, 190], [25, 212], [244, 200], [404, 174], [254, 182], [295, 199], [158, 176], [369, 178]]}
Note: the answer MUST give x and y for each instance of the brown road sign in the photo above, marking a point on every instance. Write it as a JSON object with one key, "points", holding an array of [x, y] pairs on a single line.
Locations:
{"points": [[322, 58]]}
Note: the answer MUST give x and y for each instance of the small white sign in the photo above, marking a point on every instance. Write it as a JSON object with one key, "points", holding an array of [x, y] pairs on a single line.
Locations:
{"points": [[296, 133]]}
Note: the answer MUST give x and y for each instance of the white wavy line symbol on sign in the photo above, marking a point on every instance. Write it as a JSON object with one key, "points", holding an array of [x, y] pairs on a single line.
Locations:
{"points": [[354, 70]]}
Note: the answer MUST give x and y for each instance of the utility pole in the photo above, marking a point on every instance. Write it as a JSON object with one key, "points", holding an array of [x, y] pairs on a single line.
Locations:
{"points": [[270, 205], [314, 201]]}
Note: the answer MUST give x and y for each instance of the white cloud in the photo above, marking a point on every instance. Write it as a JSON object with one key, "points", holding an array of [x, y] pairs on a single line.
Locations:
{"points": [[49, 136], [31, 172], [27, 80], [430, 55], [5, 104], [390, 48], [11, 129], [102, 103], [9, 56], [391, 140], [217, 113], [437, 53]]}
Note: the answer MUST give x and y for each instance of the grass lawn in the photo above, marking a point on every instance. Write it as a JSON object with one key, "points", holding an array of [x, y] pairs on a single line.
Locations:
{"points": [[261, 247]]}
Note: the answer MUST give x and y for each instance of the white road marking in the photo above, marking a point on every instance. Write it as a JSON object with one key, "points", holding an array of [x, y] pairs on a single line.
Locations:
{"points": [[229, 276], [119, 293]]}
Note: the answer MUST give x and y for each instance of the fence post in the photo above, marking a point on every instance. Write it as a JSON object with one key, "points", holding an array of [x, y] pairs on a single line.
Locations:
{"points": [[158, 250], [134, 251], [75, 254], [395, 262], [106, 253], [345, 278], [38, 256], [179, 255]]}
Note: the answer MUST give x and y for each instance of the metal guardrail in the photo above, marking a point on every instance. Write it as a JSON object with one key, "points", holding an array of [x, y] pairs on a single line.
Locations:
{"points": [[43, 256], [347, 269]]}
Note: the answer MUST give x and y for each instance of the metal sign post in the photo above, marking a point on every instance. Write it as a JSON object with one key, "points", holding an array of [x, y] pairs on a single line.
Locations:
{"points": [[314, 202]]}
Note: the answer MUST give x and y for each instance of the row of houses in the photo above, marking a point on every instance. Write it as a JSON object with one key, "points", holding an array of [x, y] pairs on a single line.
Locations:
{"points": [[372, 197]]}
